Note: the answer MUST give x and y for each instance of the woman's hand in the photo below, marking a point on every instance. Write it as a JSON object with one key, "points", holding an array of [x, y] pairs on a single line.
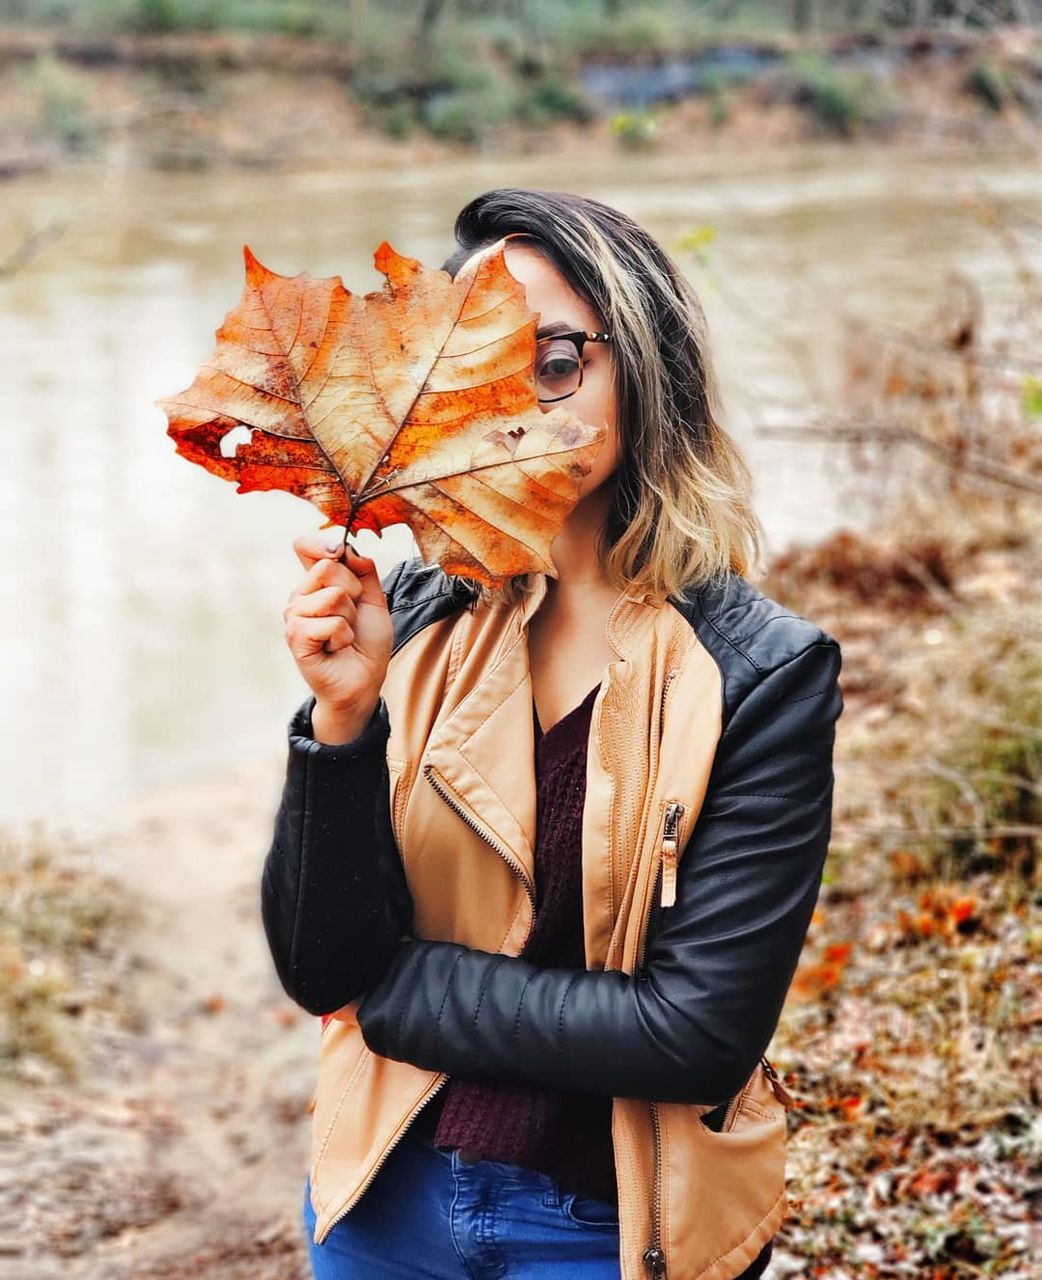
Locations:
{"points": [[339, 632]]}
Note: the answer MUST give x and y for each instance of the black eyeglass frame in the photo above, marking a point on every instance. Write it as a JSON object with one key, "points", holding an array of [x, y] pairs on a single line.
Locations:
{"points": [[580, 337]]}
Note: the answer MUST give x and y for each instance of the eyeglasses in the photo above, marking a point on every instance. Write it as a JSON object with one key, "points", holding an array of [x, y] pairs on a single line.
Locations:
{"points": [[559, 364]]}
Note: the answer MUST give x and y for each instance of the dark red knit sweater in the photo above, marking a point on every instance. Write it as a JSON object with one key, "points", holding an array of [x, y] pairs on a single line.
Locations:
{"points": [[567, 1135]]}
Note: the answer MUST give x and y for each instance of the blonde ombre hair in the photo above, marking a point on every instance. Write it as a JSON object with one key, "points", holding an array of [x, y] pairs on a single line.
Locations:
{"points": [[682, 510]]}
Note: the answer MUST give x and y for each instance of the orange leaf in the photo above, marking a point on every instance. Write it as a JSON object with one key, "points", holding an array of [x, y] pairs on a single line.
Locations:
{"points": [[963, 909], [415, 404], [931, 1181]]}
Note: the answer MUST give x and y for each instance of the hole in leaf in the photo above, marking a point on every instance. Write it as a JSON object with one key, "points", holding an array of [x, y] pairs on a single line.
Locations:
{"points": [[232, 439]]}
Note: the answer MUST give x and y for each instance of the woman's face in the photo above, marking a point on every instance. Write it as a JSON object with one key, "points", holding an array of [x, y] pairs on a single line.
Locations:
{"points": [[548, 293]]}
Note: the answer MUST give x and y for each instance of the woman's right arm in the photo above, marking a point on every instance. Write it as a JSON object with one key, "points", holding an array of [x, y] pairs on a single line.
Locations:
{"points": [[334, 900]]}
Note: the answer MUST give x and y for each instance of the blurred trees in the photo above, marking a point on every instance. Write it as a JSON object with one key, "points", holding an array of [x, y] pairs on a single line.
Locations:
{"points": [[429, 16], [803, 15]]}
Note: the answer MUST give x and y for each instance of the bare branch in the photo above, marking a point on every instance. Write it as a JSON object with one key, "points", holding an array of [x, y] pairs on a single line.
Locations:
{"points": [[30, 247], [956, 459]]}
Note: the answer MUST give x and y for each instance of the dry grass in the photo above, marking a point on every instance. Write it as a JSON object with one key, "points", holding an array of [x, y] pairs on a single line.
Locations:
{"points": [[61, 954], [913, 1025], [912, 1033]]}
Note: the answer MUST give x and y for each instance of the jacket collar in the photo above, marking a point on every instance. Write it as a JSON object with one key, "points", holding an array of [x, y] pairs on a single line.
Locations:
{"points": [[484, 750]]}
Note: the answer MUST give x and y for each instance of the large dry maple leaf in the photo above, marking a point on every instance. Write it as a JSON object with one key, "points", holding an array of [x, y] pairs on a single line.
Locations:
{"points": [[414, 404]]}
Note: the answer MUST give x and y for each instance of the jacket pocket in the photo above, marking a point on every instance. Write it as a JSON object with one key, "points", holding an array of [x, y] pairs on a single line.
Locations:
{"points": [[725, 1193], [763, 1097], [589, 1212]]}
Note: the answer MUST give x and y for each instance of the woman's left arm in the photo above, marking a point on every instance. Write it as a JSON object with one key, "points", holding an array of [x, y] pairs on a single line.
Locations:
{"points": [[693, 1025]]}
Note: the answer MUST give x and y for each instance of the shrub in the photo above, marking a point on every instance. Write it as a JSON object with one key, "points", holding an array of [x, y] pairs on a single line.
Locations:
{"points": [[989, 776], [378, 86], [467, 115], [584, 30], [61, 93], [719, 100], [839, 99], [398, 119], [636, 130], [987, 82], [459, 67], [157, 15], [552, 99]]}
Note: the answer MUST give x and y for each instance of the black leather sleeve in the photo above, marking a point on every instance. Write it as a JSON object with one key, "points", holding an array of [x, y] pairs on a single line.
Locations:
{"points": [[693, 1025], [334, 898]]}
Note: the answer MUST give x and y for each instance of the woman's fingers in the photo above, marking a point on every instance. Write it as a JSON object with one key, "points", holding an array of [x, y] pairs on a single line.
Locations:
{"points": [[317, 550], [307, 636], [325, 544], [328, 544], [341, 648], [316, 544], [322, 602], [329, 573]]}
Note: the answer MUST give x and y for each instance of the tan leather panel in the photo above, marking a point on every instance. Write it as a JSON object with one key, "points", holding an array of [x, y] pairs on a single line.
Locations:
{"points": [[725, 1192], [485, 750], [634, 1160], [362, 1102], [446, 862], [685, 710]]}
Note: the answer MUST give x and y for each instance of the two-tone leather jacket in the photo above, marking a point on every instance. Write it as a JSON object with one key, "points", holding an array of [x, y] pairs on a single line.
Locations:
{"points": [[399, 890]]}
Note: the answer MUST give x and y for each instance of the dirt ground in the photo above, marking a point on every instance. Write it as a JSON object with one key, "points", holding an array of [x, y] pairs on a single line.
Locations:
{"points": [[182, 1148]]}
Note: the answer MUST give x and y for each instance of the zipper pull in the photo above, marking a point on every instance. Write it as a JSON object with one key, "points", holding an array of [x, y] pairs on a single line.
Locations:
{"points": [[780, 1091], [655, 1261], [670, 852]]}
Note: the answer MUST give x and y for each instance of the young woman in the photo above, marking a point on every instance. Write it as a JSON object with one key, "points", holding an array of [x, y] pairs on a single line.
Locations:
{"points": [[546, 857]]}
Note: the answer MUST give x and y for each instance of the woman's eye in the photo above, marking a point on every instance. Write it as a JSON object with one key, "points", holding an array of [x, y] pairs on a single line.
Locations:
{"points": [[558, 367]]}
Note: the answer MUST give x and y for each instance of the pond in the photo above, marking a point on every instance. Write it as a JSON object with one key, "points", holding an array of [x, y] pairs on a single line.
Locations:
{"points": [[143, 596]]}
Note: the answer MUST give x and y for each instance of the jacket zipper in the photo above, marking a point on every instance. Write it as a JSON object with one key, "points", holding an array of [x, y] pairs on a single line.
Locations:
{"points": [[664, 896], [664, 893], [664, 887], [654, 1255], [732, 1107], [670, 853], [387, 1151], [441, 787], [780, 1091], [664, 890]]}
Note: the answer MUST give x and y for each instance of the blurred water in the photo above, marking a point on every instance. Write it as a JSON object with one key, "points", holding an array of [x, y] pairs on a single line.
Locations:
{"points": [[142, 597], [670, 78], [677, 76]]}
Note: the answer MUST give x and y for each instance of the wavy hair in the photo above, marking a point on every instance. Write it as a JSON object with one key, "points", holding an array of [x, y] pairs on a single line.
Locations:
{"points": [[682, 509]]}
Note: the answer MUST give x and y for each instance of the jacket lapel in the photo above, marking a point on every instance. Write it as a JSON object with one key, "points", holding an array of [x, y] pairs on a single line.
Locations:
{"points": [[484, 750]]}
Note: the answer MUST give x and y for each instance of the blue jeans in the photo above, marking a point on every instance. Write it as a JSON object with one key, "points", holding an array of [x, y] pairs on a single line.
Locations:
{"points": [[427, 1213]]}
